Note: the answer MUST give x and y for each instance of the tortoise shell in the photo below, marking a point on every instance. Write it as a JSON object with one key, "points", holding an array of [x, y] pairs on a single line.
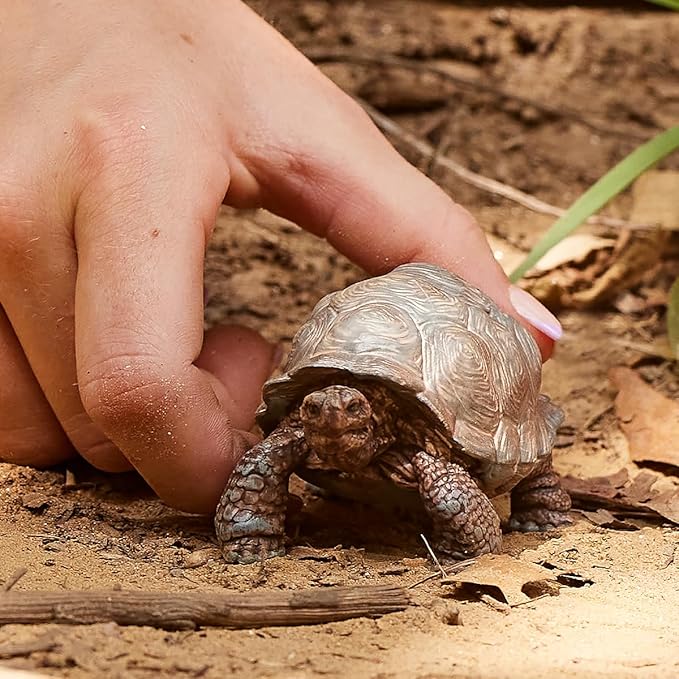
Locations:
{"points": [[438, 343]]}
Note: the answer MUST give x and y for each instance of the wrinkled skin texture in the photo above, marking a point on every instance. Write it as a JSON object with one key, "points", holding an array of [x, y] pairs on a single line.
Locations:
{"points": [[123, 127], [338, 429], [539, 502], [335, 428]]}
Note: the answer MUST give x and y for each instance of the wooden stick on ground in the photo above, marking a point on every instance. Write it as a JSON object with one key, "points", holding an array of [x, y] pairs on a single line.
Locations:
{"points": [[188, 610], [394, 130], [320, 55]]}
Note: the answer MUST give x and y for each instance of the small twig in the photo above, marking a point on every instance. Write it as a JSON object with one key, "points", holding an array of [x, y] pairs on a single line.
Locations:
{"points": [[530, 601], [433, 556], [390, 127], [594, 418], [423, 580], [495, 604], [188, 610], [14, 578], [321, 55], [670, 558]]}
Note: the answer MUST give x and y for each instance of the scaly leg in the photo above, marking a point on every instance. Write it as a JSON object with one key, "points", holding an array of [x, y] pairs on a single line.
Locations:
{"points": [[539, 502], [465, 522], [250, 518]]}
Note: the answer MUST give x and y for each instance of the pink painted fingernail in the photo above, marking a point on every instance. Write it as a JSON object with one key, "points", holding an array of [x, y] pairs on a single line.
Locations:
{"points": [[535, 313]]}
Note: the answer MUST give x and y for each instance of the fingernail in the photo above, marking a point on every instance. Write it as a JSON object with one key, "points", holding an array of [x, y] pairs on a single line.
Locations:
{"points": [[535, 313]]}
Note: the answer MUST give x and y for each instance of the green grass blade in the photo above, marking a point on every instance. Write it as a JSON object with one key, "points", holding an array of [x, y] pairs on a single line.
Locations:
{"points": [[673, 318], [612, 183], [672, 4]]}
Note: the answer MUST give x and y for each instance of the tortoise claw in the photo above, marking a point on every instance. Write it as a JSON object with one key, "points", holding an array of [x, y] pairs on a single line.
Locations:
{"points": [[538, 521], [253, 549]]}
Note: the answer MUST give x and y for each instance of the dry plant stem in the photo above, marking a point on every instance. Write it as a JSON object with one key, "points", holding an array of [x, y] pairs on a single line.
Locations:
{"points": [[14, 578], [393, 129], [188, 610], [319, 56], [433, 555]]}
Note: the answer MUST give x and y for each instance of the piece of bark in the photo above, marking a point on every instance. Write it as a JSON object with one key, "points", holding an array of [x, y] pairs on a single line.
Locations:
{"points": [[188, 610]]}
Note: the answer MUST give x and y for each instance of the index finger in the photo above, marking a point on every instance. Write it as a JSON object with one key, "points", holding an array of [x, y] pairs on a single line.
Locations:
{"points": [[334, 173]]}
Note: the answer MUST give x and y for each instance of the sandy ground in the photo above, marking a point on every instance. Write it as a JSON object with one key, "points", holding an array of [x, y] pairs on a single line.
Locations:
{"points": [[614, 73]]}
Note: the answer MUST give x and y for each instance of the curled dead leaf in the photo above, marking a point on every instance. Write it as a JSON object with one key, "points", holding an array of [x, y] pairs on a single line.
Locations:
{"points": [[649, 419], [596, 276]]}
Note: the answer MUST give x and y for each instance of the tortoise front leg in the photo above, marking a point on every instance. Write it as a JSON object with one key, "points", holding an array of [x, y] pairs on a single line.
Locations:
{"points": [[465, 521], [250, 517], [539, 502]]}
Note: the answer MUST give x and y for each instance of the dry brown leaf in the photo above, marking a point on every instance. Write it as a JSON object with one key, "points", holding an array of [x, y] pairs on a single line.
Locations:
{"points": [[640, 488], [666, 504], [571, 250], [649, 419], [602, 275], [622, 499], [602, 517], [503, 575], [601, 487]]}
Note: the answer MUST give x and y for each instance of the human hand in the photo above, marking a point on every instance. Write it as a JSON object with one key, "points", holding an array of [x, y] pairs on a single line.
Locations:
{"points": [[123, 127]]}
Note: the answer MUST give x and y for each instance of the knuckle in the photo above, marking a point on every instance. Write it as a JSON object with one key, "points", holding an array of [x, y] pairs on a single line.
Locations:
{"points": [[127, 393], [115, 140]]}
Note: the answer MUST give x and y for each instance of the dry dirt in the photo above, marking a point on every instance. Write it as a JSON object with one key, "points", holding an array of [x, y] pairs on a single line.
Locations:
{"points": [[566, 92]]}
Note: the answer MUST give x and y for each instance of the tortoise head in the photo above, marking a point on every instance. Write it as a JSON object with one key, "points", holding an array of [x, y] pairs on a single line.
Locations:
{"points": [[338, 427]]}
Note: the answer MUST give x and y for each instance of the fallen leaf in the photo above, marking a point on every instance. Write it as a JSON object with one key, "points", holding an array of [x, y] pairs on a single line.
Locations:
{"points": [[571, 250], [622, 499], [602, 517], [666, 504], [602, 487], [649, 419], [602, 271], [505, 578], [640, 488]]}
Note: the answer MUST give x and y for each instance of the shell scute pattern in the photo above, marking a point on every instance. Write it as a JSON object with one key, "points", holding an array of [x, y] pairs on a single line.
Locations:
{"points": [[445, 344]]}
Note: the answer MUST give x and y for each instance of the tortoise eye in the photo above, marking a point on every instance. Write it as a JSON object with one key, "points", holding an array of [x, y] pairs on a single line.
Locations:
{"points": [[353, 408], [312, 409]]}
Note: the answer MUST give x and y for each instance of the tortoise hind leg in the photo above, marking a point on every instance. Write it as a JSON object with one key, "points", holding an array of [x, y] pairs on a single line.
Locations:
{"points": [[250, 517], [465, 522], [539, 502]]}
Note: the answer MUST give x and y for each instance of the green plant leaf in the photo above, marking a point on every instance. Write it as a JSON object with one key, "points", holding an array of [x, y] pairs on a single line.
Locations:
{"points": [[672, 4], [673, 318], [610, 185]]}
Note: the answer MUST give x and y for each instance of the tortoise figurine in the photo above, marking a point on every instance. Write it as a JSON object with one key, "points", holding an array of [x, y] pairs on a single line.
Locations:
{"points": [[415, 378]]}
